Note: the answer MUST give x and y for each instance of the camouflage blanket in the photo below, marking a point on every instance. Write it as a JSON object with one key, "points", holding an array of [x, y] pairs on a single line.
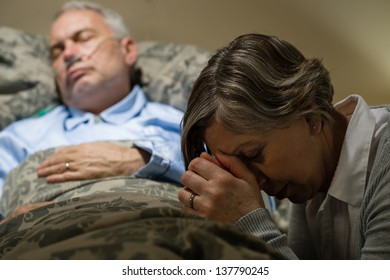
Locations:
{"points": [[112, 218]]}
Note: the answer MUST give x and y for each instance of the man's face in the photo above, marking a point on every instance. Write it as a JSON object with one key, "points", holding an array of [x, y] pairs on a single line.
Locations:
{"points": [[91, 65]]}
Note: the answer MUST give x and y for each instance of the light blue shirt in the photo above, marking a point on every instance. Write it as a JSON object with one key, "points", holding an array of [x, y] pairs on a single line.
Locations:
{"points": [[151, 126]]}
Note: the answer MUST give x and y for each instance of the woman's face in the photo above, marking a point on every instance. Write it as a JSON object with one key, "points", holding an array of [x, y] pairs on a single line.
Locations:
{"points": [[288, 157]]}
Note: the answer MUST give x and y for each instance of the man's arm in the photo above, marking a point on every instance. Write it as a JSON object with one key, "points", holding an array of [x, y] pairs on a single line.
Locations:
{"points": [[12, 152]]}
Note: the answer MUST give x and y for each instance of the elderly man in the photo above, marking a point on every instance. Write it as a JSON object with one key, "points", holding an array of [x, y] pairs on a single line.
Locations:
{"points": [[93, 58]]}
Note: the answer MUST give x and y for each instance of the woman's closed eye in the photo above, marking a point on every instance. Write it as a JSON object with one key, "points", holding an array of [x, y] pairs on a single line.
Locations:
{"points": [[253, 156]]}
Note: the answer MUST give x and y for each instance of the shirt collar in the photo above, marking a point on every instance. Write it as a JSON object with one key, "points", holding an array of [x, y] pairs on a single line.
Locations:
{"points": [[119, 113], [351, 173]]}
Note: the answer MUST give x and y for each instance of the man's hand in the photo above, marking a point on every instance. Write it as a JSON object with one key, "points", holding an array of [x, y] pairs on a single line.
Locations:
{"points": [[92, 161]]}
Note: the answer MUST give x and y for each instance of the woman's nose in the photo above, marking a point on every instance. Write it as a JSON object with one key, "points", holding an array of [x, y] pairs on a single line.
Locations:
{"points": [[257, 171]]}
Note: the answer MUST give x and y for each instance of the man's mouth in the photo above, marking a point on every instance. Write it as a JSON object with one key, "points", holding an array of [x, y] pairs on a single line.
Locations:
{"points": [[74, 75]]}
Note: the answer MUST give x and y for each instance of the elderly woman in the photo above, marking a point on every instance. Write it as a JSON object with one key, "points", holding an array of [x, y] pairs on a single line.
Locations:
{"points": [[260, 117]]}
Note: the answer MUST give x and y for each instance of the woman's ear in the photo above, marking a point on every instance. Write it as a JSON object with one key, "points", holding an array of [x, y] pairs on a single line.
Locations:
{"points": [[130, 50], [315, 124]]}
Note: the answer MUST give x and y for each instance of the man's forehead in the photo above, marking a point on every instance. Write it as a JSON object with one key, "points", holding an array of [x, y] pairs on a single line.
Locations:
{"points": [[73, 21]]}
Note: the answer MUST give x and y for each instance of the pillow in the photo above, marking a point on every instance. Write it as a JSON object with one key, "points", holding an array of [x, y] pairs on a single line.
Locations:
{"points": [[26, 79], [27, 82], [169, 70]]}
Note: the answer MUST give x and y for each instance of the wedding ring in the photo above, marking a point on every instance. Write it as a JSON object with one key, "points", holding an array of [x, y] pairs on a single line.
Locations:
{"points": [[191, 201], [67, 165]]}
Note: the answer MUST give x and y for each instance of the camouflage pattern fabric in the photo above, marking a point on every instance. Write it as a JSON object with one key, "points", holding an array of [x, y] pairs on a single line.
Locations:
{"points": [[112, 218], [123, 226], [26, 79], [169, 70], [23, 186]]}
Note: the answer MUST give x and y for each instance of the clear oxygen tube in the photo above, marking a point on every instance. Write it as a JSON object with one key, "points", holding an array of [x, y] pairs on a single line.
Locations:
{"points": [[83, 55]]}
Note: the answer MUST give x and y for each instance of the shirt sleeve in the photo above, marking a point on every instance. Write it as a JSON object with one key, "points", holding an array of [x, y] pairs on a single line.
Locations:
{"points": [[163, 142], [163, 164], [259, 223], [374, 222], [12, 152]]}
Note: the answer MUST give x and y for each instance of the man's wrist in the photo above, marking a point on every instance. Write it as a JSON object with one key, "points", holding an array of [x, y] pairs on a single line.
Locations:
{"points": [[144, 155]]}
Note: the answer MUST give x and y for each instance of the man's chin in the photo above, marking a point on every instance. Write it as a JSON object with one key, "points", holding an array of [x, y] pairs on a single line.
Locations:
{"points": [[78, 97], [81, 88]]}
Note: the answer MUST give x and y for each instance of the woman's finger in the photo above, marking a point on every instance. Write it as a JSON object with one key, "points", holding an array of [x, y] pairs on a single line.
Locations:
{"points": [[239, 169], [211, 158], [187, 197]]}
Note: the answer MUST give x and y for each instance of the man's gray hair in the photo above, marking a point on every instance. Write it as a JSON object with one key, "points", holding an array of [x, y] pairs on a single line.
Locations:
{"points": [[112, 18]]}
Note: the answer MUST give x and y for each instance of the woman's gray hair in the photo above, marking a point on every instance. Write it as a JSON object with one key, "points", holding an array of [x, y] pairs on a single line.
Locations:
{"points": [[256, 83], [112, 18]]}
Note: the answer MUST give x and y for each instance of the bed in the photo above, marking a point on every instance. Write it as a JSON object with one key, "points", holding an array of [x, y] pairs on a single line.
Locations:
{"points": [[111, 218]]}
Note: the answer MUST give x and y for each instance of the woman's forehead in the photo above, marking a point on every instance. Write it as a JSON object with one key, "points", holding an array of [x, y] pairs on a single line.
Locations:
{"points": [[218, 138]]}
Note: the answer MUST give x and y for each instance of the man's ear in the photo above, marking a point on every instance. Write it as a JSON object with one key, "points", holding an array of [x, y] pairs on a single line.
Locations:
{"points": [[130, 50]]}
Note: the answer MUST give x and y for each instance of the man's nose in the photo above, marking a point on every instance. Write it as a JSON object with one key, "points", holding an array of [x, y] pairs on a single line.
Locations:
{"points": [[71, 51]]}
